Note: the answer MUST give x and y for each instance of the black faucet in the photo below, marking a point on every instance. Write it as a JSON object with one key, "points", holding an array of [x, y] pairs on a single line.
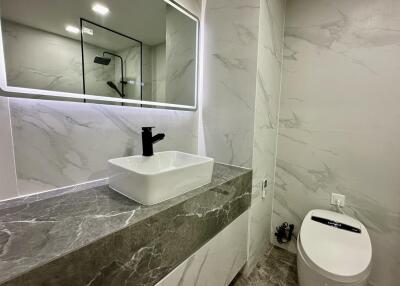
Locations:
{"points": [[148, 140]]}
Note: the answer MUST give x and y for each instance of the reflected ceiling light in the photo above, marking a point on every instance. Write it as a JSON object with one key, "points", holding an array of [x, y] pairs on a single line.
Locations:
{"points": [[100, 9], [87, 30], [72, 29]]}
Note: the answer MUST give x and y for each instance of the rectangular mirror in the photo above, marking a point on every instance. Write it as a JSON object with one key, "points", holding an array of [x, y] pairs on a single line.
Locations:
{"points": [[132, 52]]}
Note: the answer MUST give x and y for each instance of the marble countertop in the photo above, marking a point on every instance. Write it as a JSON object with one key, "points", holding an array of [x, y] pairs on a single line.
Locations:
{"points": [[35, 231]]}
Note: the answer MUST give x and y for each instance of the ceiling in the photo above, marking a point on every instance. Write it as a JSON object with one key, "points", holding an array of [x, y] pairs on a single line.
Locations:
{"points": [[140, 19]]}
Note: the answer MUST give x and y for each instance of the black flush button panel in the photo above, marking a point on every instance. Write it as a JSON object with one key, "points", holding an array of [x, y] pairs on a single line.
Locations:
{"points": [[336, 224]]}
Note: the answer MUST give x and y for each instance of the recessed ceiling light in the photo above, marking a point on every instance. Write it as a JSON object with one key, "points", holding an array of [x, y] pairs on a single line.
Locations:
{"points": [[72, 29], [100, 9]]}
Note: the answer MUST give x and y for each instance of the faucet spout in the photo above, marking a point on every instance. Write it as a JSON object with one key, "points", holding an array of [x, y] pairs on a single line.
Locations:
{"points": [[148, 140]]}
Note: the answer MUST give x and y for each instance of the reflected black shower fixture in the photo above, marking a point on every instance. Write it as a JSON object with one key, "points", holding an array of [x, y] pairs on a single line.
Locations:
{"points": [[114, 87], [102, 61], [106, 61]]}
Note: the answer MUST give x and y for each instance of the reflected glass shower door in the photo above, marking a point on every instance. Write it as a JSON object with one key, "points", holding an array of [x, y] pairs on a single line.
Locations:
{"points": [[111, 62]]}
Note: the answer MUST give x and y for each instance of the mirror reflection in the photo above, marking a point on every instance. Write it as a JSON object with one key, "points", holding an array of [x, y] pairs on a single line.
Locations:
{"points": [[111, 49], [112, 62]]}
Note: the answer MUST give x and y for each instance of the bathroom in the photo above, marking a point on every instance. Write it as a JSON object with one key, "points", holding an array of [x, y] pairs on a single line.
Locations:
{"points": [[272, 160]]}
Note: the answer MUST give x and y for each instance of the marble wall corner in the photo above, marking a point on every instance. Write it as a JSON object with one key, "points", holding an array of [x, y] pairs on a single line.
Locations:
{"points": [[268, 89]]}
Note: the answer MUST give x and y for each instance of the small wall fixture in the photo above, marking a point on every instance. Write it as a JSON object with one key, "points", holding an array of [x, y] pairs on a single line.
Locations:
{"points": [[100, 9]]}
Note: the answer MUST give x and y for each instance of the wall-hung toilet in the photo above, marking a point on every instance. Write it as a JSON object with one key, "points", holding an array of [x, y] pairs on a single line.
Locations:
{"points": [[333, 250]]}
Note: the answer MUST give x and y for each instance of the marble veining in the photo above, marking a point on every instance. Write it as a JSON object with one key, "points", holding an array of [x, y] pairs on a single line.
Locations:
{"points": [[230, 66], [56, 71], [180, 58], [58, 144], [243, 59], [277, 268], [62, 144], [98, 237], [212, 264], [339, 120]]}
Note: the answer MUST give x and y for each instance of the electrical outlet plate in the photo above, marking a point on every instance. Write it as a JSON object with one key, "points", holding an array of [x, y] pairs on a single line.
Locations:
{"points": [[338, 197]]}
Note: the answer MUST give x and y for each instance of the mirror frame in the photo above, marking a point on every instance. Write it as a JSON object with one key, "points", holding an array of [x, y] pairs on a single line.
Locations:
{"points": [[80, 97]]}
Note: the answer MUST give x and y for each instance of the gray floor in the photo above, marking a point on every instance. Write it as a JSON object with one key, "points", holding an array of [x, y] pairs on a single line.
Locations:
{"points": [[277, 268]]}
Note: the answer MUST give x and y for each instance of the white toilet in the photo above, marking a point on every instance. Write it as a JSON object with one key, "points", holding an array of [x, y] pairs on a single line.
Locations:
{"points": [[333, 249]]}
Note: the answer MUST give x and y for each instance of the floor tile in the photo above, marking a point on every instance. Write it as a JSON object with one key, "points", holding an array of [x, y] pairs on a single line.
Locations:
{"points": [[277, 268]]}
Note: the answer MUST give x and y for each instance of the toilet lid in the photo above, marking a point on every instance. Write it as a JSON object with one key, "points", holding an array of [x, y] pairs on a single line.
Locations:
{"points": [[336, 245]]}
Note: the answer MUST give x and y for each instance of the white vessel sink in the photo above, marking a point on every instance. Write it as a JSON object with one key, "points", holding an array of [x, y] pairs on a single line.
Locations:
{"points": [[165, 175]]}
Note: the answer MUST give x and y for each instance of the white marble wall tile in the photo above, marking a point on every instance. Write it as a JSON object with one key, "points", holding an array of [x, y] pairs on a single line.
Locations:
{"points": [[230, 66], [33, 60], [8, 181], [338, 59], [159, 73], [339, 119], [30, 57], [269, 64], [147, 72], [314, 164], [132, 71], [180, 42], [153, 69], [59, 144], [212, 264]]}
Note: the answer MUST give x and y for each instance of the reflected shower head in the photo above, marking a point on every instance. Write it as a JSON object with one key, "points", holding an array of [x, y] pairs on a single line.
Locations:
{"points": [[102, 61], [114, 87]]}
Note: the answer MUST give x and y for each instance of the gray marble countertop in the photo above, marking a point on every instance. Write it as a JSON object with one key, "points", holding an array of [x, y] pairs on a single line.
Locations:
{"points": [[35, 230]]}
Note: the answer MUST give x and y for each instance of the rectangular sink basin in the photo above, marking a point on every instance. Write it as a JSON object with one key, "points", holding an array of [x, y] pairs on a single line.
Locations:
{"points": [[165, 175]]}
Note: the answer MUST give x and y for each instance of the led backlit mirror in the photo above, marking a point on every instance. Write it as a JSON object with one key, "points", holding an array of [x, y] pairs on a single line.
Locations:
{"points": [[136, 52]]}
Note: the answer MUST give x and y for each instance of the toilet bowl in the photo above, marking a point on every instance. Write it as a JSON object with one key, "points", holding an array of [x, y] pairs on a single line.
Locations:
{"points": [[333, 249]]}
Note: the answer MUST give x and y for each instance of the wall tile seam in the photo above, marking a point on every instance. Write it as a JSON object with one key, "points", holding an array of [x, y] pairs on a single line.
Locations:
{"points": [[199, 125], [259, 48], [278, 117], [254, 84], [256, 181], [255, 92]]}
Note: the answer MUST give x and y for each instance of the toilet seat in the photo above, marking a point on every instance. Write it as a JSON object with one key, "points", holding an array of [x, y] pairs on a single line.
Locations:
{"points": [[338, 254]]}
